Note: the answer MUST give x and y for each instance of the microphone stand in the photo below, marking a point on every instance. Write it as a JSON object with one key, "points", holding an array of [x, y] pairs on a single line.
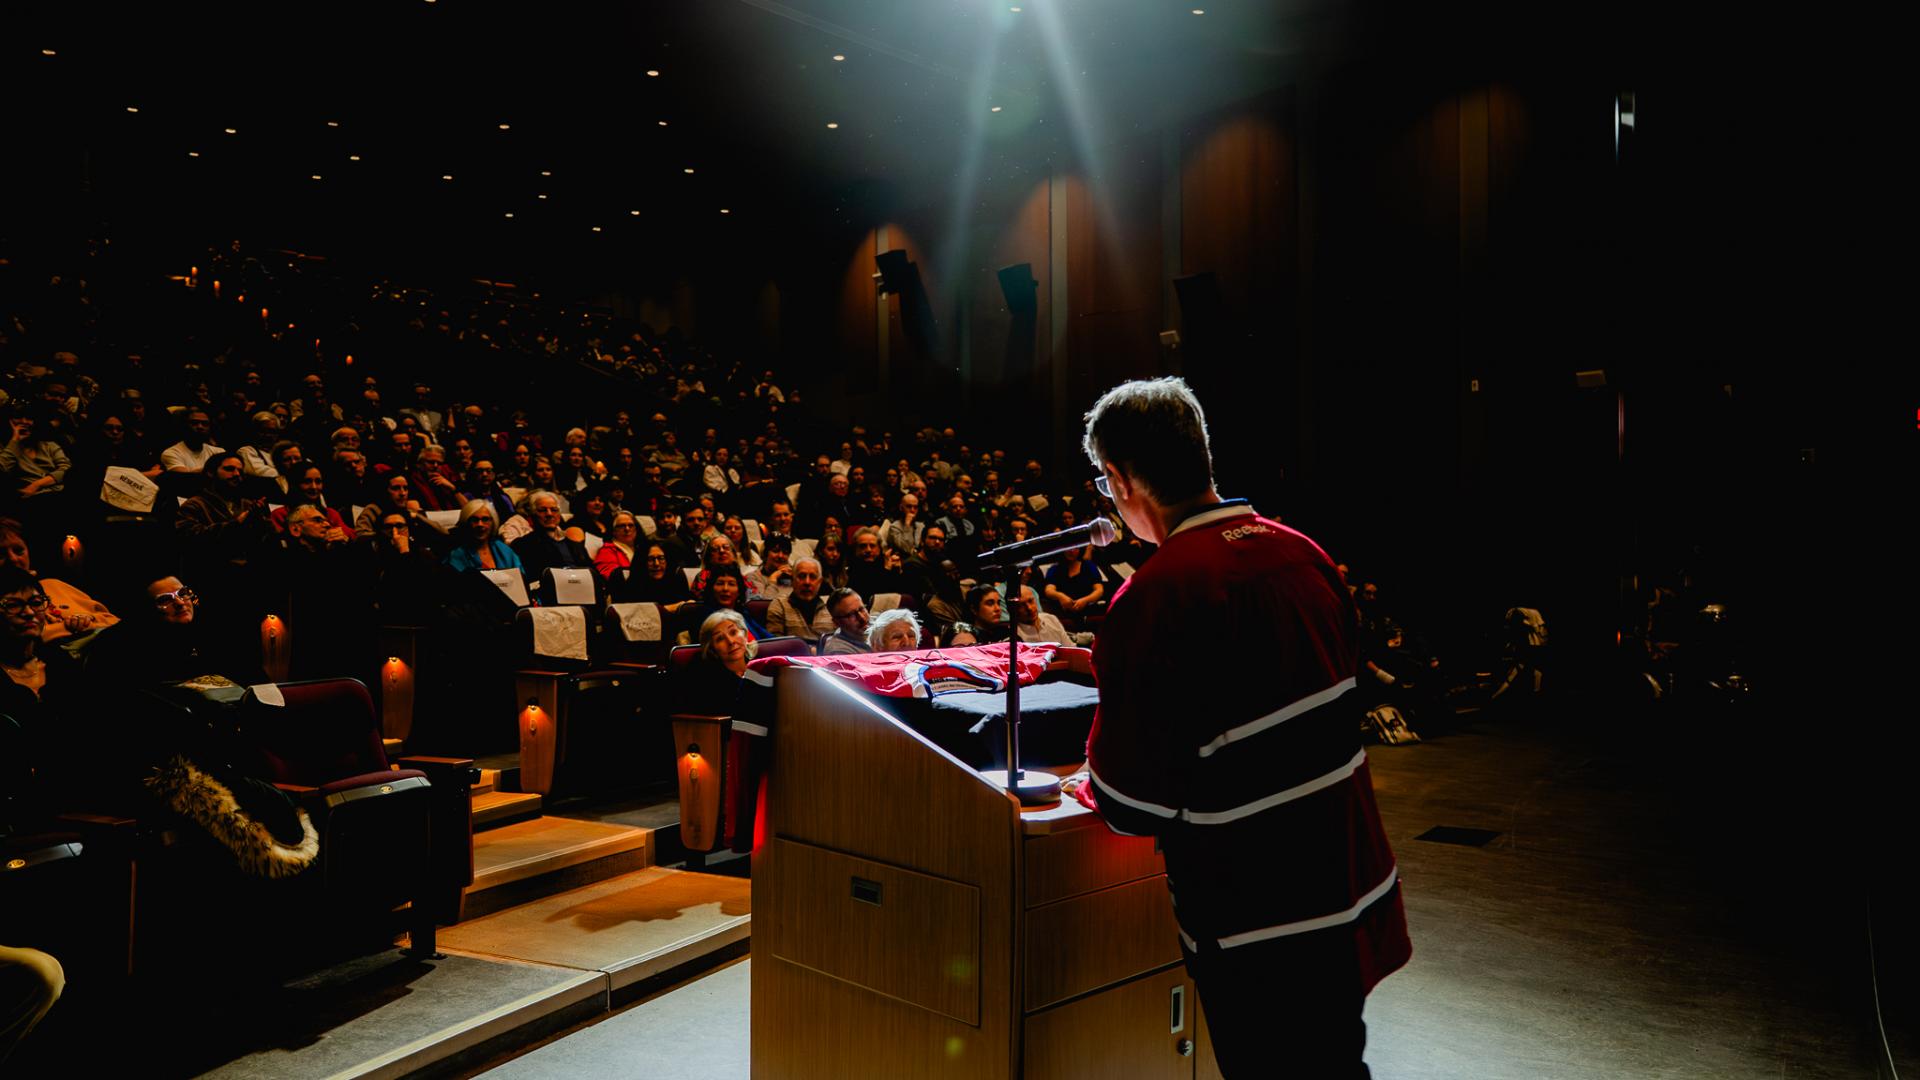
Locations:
{"points": [[1038, 789]]}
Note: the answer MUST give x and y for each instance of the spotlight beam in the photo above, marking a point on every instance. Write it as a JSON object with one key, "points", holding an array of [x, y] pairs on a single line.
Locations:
{"points": [[774, 7]]}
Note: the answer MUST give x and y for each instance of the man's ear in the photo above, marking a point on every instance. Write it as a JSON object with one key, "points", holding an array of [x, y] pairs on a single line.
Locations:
{"points": [[1118, 480]]}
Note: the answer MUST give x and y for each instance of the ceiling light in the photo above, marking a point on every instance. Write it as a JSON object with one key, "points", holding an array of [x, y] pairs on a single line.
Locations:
{"points": [[839, 56], [831, 127], [48, 52], [509, 213], [353, 157], [333, 123], [131, 108], [635, 213], [652, 74], [996, 108], [540, 196], [546, 172], [1014, 9], [446, 176], [316, 176], [596, 228], [231, 131], [689, 172], [193, 153], [506, 127], [663, 123], [1199, 11], [724, 210]]}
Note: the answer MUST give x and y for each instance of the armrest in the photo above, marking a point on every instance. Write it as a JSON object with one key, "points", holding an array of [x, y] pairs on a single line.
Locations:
{"points": [[296, 789], [700, 718], [438, 768]]}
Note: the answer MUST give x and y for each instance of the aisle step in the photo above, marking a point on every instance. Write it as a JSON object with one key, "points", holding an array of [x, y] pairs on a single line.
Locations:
{"points": [[492, 809], [516, 863]]}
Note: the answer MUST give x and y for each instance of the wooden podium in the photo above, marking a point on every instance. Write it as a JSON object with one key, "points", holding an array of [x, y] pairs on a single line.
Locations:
{"points": [[911, 921]]}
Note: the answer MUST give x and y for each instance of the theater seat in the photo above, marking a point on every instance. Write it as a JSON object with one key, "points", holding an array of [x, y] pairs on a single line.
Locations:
{"points": [[388, 836]]}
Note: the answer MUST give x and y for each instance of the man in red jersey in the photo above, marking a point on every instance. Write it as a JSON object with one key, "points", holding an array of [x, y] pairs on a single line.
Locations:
{"points": [[1250, 773]]}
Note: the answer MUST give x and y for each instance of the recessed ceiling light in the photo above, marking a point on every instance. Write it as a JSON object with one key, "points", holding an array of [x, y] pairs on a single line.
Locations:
{"points": [[839, 56], [596, 228], [131, 108], [663, 123], [1013, 9], [546, 172], [333, 123], [446, 176], [635, 213], [231, 131], [652, 74], [506, 127], [353, 157], [316, 176], [996, 108], [48, 52], [831, 127], [1199, 11], [724, 210], [689, 172], [193, 153], [509, 213], [540, 196]]}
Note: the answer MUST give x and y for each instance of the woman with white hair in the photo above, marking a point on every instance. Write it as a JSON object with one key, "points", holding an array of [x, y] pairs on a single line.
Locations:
{"points": [[709, 685], [476, 546], [896, 630]]}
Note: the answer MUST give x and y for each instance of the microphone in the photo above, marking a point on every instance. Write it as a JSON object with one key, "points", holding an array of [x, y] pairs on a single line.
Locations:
{"points": [[1098, 532]]}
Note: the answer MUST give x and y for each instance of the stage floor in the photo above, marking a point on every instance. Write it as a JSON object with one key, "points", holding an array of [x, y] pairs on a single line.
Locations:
{"points": [[1622, 921]]}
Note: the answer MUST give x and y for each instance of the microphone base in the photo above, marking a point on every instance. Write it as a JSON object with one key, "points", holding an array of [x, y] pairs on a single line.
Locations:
{"points": [[1034, 789]]}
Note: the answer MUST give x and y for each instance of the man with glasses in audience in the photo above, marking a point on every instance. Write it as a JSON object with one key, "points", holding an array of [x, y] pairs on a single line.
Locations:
{"points": [[849, 635]]}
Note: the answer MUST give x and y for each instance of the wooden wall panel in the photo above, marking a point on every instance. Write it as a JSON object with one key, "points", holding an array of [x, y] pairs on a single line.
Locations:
{"points": [[854, 321]]}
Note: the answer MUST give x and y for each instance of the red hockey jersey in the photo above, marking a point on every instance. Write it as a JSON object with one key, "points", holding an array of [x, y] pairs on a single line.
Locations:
{"points": [[1227, 729]]}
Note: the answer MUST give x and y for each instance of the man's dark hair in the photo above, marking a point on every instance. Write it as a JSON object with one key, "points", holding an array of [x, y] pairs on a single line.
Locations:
{"points": [[837, 595], [780, 543], [1154, 431]]}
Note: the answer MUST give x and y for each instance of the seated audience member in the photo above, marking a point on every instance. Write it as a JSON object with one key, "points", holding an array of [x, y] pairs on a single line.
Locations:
{"points": [[983, 611], [719, 551], [666, 533], [219, 529], [192, 453], [433, 482], [34, 464], [671, 459], [780, 519], [932, 577], [708, 685], [287, 458], [591, 513], [404, 574], [617, 553], [310, 487], [958, 635], [902, 534], [548, 545], [481, 483], [771, 578], [169, 640], [349, 480], [832, 556], [69, 611], [325, 585], [35, 671], [1036, 625], [746, 548], [30, 983], [475, 547], [256, 454], [724, 591], [654, 580], [873, 568], [850, 623], [1076, 586], [803, 612], [893, 631], [695, 530], [961, 527]]}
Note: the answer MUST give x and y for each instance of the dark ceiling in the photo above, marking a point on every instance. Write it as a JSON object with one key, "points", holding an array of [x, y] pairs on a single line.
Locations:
{"points": [[746, 88]]}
